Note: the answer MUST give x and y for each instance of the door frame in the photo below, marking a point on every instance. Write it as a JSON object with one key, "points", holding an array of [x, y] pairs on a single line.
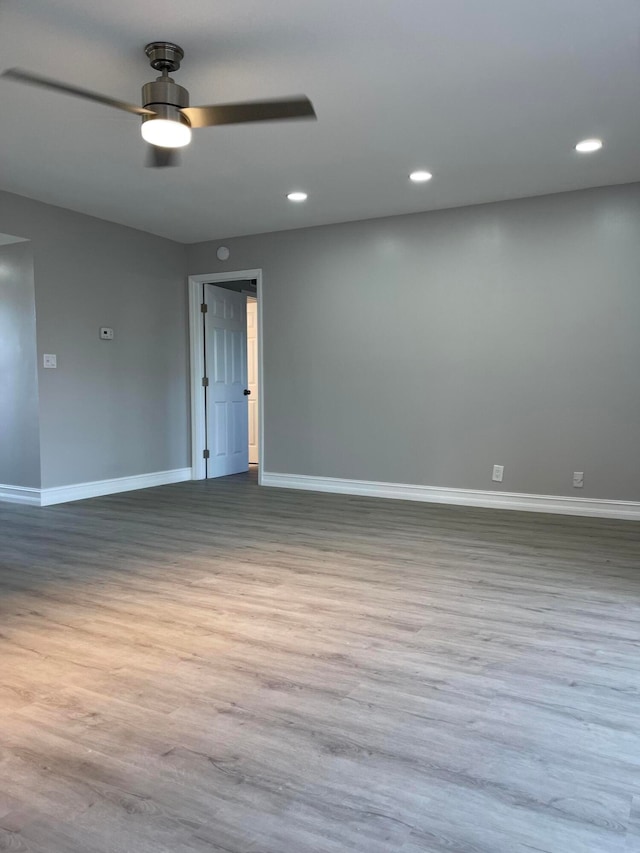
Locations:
{"points": [[196, 354]]}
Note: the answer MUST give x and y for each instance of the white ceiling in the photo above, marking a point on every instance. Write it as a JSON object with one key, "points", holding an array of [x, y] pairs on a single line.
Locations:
{"points": [[490, 96], [8, 239]]}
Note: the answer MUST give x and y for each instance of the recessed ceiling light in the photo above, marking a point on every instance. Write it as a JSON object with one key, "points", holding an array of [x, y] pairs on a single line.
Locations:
{"points": [[297, 196], [589, 145], [420, 176]]}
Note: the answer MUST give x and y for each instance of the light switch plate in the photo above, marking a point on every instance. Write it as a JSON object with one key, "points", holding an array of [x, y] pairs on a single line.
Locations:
{"points": [[49, 360], [106, 334]]}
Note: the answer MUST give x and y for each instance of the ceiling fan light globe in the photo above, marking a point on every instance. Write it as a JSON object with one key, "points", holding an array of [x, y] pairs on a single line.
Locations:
{"points": [[166, 133]]}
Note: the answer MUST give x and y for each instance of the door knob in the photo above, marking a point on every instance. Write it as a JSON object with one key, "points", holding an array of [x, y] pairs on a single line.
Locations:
{"points": [[246, 392]]}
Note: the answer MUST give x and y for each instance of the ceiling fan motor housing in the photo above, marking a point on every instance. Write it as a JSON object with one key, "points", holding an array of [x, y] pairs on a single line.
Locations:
{"points": [[166, 98]]}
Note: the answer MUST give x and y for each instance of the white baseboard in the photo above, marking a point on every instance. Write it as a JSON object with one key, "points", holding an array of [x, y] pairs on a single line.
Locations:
{"points": [[20, 495], [80, 491], [463, 497]]}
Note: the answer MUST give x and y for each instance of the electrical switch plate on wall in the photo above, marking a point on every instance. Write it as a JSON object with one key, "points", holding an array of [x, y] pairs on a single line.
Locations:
{"points": [[498, 472], [106, 334], [49, 360]]}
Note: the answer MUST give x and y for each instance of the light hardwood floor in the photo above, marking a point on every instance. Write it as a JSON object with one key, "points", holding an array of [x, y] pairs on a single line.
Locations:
{"points": [[217, 667]]}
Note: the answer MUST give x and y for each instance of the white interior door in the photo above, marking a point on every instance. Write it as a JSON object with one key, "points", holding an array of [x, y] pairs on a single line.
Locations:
{"points": [[252, 371], [226, 369]]}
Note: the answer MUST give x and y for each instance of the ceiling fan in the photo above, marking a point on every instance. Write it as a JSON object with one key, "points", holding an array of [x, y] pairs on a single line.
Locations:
{"points": [[167, 118]]}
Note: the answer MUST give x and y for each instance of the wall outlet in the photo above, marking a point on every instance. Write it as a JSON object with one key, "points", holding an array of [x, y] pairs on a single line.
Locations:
{"points": [[106, 334], [578, 479], [49, 360], [498, 473]]}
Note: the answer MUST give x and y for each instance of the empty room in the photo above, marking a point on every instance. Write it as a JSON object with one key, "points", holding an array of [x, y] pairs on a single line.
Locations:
{"points": [[319, 426]]}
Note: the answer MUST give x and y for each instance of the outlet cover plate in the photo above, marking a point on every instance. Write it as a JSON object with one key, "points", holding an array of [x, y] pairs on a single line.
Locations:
{"points": [[498, 473]]}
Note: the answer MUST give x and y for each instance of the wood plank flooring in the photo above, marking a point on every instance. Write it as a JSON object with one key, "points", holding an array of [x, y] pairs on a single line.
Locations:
{"points": [[217, 668]]}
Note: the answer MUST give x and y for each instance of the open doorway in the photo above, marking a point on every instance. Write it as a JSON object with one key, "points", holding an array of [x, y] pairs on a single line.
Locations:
{"points": [[226, 387]]}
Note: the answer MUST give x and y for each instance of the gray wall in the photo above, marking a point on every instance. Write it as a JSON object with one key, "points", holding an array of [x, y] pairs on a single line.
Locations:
{"points": [[423, 349], [19, 437], [117, 408]]}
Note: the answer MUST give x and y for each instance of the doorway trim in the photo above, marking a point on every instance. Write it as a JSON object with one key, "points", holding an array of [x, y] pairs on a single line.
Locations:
{"points": [[196, 356]]}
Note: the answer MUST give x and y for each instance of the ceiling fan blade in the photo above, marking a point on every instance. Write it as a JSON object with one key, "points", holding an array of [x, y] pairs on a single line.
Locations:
{"points": [[286, 108], [47, 83], [158, 158]]}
